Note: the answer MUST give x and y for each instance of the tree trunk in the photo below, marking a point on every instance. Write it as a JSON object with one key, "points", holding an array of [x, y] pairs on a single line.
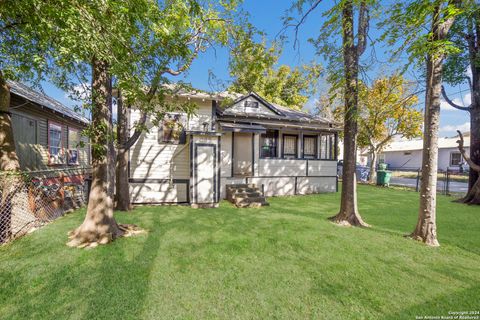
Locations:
{"points": [[373, 160], [122, 192], [99, 226], [426, 229], [8, 156], [349, 214], [8, 162]]}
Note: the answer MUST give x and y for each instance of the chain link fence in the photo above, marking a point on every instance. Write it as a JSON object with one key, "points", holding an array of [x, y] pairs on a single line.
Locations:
{"points": [[452, 181], [29, 200]]}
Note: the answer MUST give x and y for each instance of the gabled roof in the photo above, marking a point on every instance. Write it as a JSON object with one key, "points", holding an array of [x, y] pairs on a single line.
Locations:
{"points": [[280, 113], [45, 101]]}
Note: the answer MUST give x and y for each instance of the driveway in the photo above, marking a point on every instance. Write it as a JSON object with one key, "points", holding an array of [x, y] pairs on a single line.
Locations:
{"points": [[454, 186]]}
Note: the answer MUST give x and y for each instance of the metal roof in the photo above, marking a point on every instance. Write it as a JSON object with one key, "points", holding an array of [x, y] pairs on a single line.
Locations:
{"points": [[417, 144], [43, 100], [280, 113]]}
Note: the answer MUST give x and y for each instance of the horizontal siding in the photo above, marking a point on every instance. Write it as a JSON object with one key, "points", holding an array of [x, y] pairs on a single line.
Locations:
{"points": [[322, 168], [158, 192], [159, 161], [282, 167], [40, 148], [275, 186], [308, 185], [226, 155]]}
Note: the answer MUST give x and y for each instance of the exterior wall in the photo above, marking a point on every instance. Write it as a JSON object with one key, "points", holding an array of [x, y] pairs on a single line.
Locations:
{"points": [[30, 130], [243, 154], [226, 155], [240, 107], [399, 159], [161, 172]]}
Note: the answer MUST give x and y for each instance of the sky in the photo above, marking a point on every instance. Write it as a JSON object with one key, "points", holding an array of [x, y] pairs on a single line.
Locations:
{"points": [[267, 15]]}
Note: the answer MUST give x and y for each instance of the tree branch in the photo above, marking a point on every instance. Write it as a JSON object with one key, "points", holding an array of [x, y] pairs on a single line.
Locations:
{"points": [[461, 148], [453, 104], [363, 24]]}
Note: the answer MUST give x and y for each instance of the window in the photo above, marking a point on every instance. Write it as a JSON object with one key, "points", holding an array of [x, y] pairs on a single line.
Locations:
{"points": [[407, 153], [268, 144], [327, 146], [310, 147], [251, 104], [73, 144], [171, 130], [455, 158], [289, 146], [55, 144]]}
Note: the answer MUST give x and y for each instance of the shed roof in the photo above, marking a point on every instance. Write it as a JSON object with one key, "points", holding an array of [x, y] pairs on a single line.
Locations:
{"points": [[417, 144], [43, 100]]}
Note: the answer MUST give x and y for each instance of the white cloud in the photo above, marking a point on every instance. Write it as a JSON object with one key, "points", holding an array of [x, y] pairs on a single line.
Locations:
{"points": [[461, 101], [79, 92], [465, 127]]}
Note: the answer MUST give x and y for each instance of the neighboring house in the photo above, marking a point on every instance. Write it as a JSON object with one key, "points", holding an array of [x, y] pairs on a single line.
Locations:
{"points": [[192, 159], [408, 154], [47, 134]]}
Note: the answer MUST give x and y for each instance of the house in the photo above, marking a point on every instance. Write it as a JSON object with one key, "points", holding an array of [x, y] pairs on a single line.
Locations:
{"points": [[47, 135], [250, 141], [407, 154]]}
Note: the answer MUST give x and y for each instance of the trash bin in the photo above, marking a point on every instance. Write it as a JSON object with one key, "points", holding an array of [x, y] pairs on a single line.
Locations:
{"points": [[383, 177]]}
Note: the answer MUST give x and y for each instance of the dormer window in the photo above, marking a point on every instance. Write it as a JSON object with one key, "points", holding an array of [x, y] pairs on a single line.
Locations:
{"points": [[251, 104]]}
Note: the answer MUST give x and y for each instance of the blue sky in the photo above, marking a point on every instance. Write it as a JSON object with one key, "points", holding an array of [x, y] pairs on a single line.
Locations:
{"points": [[266, 15]]}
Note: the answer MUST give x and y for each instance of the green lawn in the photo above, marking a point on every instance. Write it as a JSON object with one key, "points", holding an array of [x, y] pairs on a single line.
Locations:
{"points": [[284, 261]]}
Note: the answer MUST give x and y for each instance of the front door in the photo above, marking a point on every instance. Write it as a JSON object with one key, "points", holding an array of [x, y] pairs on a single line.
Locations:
{"points": [[205, 173]]}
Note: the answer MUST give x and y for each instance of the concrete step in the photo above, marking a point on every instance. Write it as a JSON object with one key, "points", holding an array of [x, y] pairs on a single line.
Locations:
{"points": [[245, 195]]}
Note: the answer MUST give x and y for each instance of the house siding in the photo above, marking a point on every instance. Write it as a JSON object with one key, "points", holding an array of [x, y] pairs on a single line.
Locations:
{"points": [[33, 153]]}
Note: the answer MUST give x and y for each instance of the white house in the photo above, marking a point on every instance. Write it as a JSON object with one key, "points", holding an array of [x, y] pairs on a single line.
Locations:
{"points": [[407, 154], [251, 141]]}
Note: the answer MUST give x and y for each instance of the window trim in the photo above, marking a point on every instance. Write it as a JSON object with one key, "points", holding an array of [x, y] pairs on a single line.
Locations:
{"points": [[295, 156], [69, 148], [62, 152], [451, 156], [315, 154]]}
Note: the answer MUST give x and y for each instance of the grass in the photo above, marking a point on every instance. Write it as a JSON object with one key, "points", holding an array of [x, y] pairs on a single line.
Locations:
{"points": [[284, 261]]}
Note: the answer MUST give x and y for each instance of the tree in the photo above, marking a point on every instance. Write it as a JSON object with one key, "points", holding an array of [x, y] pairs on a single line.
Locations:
{"points": [[386, 110], [474, 192], [343, 73], [253, 69], [175, 36], [465, 34], [409, 20]]}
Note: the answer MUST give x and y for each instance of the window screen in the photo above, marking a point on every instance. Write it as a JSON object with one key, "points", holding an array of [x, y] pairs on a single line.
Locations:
{"points": [[171, 130], [455, 158], [289, 146], [268, 144], [309, 146], [55, 143], [327, 146]]}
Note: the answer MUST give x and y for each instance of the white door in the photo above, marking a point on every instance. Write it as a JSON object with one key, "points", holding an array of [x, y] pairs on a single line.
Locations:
{"points": [[205, 157]]}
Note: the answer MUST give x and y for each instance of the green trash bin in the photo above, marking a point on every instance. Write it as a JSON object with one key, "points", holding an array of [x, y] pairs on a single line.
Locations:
{"points": [[383, 177]]}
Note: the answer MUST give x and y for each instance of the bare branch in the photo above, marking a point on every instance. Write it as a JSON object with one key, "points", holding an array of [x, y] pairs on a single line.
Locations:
{"points": [[461, 148], [453, 104]]}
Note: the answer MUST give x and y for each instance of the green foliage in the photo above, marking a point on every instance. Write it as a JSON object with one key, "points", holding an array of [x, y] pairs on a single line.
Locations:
{"points": [[253, 67], [407, 29], [463, 29]]}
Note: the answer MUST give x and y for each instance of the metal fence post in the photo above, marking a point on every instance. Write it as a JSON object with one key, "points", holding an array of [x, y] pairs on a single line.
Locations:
{"points": [[418, 180]]}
